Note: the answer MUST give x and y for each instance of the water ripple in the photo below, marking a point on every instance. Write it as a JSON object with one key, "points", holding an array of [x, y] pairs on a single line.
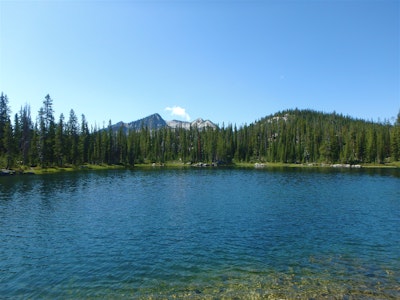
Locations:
{"points": [[200, 234]]}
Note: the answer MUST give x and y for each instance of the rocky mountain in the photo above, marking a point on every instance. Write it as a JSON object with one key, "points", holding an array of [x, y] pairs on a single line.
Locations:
{"points": [[155, 121], [199, 123]]}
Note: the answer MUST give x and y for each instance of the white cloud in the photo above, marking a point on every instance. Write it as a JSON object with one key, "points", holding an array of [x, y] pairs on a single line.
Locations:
{"points": [[179, 112]]}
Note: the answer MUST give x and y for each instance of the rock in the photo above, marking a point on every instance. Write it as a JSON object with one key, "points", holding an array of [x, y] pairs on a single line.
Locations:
{"points": [[341, 166], [6, 172]]}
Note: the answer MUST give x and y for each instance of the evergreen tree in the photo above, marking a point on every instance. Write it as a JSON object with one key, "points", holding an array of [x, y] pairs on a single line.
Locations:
{"points": [[84, 140], [131, 149], [17, 139], [73, 138], [46, 132], [26, 133], [121, 147], [34, 150], [4, 119], [8, 143], [60, 142]]}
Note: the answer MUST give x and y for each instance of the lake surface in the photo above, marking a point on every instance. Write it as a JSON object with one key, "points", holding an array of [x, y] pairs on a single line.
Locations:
{"points": [[201, 233]]}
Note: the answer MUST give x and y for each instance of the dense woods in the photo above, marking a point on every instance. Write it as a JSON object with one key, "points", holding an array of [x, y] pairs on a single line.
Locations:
{"points": [[292, 136]]}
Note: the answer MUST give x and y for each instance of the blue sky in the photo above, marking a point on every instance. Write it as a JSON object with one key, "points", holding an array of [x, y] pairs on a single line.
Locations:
{"points": [[227, 61]]}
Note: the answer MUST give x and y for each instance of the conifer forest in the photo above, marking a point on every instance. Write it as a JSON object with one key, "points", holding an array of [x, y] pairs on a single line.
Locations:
{"points": [[291, 136]]}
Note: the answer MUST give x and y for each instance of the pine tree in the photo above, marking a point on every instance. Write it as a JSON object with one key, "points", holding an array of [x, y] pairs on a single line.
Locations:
{"points": [[4, 119], [131, 149], [73, 138], [26, 133], [121, 147], [17, 139], [8, 143], [84, 140], [34, 150], [60, 142], [46, 132]]}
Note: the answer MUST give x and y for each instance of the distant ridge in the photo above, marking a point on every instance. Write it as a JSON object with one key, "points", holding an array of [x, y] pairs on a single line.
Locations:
{"points": [[199, 123], [155, 122]]}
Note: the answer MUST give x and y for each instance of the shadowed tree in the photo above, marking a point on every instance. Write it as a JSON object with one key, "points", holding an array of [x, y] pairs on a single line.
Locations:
{"points": [[4, 119], [60, 142], [73, 137], [26, 132], [46, 132]]}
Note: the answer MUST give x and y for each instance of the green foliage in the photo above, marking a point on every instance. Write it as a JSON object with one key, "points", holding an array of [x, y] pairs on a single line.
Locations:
{"points": [[292, 136], [4, 120]]}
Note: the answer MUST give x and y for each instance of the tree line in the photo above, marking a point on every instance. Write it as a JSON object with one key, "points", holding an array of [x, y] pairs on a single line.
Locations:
{"points": [[291, 136]]}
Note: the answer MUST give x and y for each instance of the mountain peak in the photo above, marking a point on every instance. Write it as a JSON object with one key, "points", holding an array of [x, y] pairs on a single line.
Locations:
{"points": [[199, 123], [155, 121]]}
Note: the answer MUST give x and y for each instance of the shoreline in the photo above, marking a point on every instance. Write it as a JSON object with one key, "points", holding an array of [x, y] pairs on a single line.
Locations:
{"points": [[179, 165]]}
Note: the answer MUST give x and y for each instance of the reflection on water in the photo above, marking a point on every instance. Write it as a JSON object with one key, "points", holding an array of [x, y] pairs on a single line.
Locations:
{"points": [[225, 233]]}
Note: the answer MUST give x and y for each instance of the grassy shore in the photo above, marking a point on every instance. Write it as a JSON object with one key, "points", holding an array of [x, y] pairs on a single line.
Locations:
{"points": [[180, 165], [69, 168]]}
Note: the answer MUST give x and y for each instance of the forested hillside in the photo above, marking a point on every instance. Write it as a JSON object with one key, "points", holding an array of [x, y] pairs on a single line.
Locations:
{"points": [[292, 136]]}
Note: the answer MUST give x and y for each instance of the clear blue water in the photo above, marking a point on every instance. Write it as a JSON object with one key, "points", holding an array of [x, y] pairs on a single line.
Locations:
{"points": [[202, 233]]}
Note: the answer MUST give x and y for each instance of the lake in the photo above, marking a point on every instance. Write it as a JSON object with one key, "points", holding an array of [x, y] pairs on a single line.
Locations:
{"points": [[201, 233]]}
